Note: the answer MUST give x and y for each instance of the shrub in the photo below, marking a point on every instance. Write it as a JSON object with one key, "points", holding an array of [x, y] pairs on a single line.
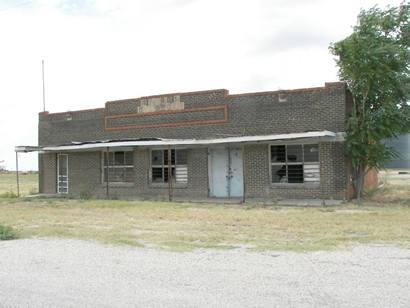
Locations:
{"points": [[8, 194], [7, 233], [85, 195], [33, 191]]}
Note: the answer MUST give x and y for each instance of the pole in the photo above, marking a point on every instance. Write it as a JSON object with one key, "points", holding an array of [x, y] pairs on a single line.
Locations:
{"points": [[44, 89], [243, 173], [169, 174], [108, 174], [17, 174]]}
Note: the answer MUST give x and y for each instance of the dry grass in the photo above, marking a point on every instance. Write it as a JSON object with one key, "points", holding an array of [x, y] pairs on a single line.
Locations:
{"points": [[189, 226], [383, 218], [28, 183], [395, 188]]}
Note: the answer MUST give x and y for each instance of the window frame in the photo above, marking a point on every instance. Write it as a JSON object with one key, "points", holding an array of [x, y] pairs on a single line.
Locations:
{"points": [[103, 166], [303, 163], [163, 166]]}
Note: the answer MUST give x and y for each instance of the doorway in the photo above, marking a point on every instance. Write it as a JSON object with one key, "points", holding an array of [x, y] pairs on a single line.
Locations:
{"points": [[62, 173], [226, 172]]}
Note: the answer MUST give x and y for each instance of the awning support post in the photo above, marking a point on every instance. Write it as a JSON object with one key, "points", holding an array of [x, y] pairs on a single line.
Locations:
{"points": [[107, 186], [17, 174], [169, 174], [243, 173]]}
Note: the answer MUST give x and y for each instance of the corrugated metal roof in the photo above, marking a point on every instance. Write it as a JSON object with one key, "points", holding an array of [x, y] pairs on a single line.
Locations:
{"points": [[324, 135]]}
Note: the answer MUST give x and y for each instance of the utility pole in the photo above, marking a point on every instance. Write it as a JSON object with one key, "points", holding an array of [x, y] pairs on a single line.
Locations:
{"points": [[44, 91]]}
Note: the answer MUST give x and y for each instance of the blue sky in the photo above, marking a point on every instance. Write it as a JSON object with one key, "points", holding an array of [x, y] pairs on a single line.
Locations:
{"points": [[96, 51]]}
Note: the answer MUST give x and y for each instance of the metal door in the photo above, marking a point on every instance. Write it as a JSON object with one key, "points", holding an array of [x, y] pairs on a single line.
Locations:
{"points": [[62, 173], [235, 172], [218, 171], [226, 173]]}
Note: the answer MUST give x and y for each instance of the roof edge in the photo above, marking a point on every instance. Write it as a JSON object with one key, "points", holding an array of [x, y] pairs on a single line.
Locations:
{"points": [[225, 94]]}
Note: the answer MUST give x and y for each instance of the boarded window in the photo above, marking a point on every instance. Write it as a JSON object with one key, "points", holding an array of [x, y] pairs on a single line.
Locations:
{"points": [[295, 163], [118, 166]]}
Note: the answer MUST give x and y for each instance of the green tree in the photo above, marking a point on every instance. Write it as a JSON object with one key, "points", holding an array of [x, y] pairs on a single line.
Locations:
{"points": [[374, 62]]}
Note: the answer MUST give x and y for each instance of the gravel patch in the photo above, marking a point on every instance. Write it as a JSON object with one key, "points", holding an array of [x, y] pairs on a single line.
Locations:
{"points": [[73, 273]]}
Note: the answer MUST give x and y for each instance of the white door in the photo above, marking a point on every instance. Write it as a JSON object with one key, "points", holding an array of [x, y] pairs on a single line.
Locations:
{"points": [[236, 172], [62, 173], [218, 171], [226, 173]]}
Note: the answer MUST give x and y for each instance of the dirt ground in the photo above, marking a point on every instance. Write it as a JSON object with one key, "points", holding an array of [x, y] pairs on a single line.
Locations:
{"points": [[72, 273]]}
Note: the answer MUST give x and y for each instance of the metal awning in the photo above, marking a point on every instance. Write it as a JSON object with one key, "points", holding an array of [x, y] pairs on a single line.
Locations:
{"points": [[99, 145], [27, 149], [158, 142]]}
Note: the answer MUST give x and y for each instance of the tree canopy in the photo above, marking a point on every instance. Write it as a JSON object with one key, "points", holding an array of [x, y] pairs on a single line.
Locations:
{"points": [[374, 61]]}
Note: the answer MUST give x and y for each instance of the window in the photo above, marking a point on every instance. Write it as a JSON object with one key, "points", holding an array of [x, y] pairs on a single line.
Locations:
{"points": [[161, 163], [295, 163], [119, 167]]}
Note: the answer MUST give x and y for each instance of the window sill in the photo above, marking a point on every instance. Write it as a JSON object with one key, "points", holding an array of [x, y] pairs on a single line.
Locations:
{"points": [[295, 185], [165, 185], [118, 184]]}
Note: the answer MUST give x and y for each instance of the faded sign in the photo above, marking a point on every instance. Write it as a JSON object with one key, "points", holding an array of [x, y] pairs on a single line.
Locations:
{"points": [[161, 103]]}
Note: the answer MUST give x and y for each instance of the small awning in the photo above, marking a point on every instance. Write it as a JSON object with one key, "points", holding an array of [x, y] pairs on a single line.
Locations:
{"points": [[27, 148], [100, 145]]}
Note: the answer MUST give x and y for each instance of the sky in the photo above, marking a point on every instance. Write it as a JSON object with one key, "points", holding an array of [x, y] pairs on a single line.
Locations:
{"points": [[101, 50]]}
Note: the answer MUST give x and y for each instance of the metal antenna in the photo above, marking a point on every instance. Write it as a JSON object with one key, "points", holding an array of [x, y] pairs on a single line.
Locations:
{"points": [[44, 91]]}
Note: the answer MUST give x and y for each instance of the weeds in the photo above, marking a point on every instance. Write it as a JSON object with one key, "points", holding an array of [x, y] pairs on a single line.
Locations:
{"points": [[8, 195], [7, 233]]}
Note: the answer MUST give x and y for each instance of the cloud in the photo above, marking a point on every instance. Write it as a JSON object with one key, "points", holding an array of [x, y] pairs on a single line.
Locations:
{"points": [[102, 50], [285, 40], [78, 7]]}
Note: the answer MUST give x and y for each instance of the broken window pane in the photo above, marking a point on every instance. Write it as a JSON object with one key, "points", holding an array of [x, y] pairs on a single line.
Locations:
{"points": [[278, 153], [166, 157], [157, 175], [160, 165], [311, 152], [295, 173], [294, 153], [156, 157], [166, 174], [172, 157], [279, 174], [300, 163]]}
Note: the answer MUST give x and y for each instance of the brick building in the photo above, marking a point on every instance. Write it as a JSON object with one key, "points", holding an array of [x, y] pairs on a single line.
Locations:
{"points": [[198, 145]]}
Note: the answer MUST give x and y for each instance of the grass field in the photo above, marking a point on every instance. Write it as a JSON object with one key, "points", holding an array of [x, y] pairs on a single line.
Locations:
{"points": [[384, 218], [28, 183]]}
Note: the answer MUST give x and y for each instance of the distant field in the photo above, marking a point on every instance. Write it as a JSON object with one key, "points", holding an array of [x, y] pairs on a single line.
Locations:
{"points": [[28, 183], [384, 218]]}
